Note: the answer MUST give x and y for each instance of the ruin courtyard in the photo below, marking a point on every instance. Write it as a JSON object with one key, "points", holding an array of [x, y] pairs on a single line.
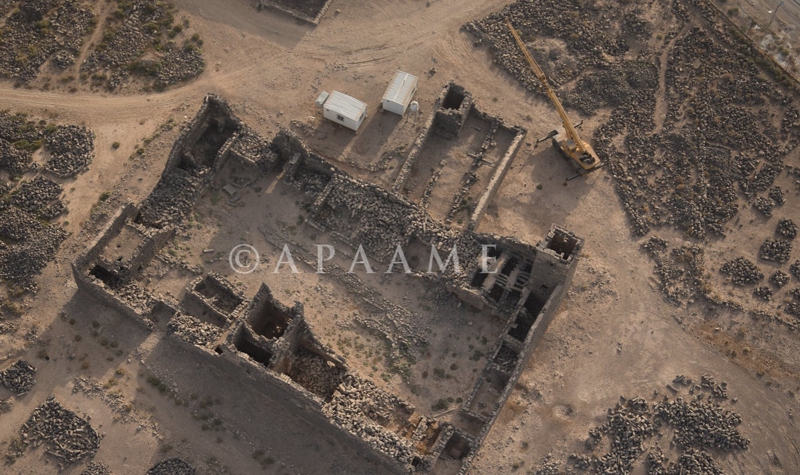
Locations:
{"points": [[202, 274]]}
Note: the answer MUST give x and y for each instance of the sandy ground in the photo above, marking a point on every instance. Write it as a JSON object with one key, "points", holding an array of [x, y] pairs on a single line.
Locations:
{"points": [[613, 336]]}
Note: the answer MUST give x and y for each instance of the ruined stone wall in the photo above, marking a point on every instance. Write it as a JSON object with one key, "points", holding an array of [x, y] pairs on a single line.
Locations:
{"points": [[416, 148], [497, 178], [111, 229], [152, 242], [314, 20], [212, 106], [450, 118]]}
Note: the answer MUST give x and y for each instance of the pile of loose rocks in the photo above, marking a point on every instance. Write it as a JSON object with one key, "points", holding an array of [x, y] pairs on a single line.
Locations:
{"points": [[172, 198], [33, 246], [316, 375], [71, 150], [787, 228], [173, 466], [776, 250], [779, 279], [39, 197], [764, 205], [742, 271], [96, 468], [362, 408], [181, 64], [763, 292], [68, 437], [19, 378], [193, 330]]}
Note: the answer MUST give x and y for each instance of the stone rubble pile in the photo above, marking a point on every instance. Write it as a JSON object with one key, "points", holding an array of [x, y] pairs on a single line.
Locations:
{"points": [[173, 466], [776, 250], [763, 292], [6, 405], [764, 205], [312, 182], [19, 378], [691, 461], [787, 228], [96, 468], [14, 160], [68, 437], [317, 375], [777, 195], [181, 64], [779, 279], [585, 39], [38, 196], [718, 390], [742, 271], [172, 198], [35, 245], [358, 398], [193, 330], [702, 424], [71, 150]]}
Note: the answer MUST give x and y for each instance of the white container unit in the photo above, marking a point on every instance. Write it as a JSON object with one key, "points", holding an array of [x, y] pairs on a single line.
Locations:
{"points": [[344, 110], [399, 93]]}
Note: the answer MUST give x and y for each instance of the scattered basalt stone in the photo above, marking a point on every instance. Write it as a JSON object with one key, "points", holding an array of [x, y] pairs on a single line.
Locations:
{"points": [[143, 41], [37, 195], [42, 30], [742, 271], [68, 437], [173, 466], [697, 426], [677, 174], [96, 468], [19, 377]]}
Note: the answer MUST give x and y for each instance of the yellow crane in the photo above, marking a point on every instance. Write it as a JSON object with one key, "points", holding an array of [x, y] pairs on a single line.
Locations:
{"points": [[565, 138]]}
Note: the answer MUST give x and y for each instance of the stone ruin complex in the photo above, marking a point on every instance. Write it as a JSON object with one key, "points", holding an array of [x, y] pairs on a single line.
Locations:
{"points": [[270, 345]]}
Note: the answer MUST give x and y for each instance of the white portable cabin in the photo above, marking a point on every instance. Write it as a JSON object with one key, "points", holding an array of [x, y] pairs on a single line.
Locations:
{"points": [[400, 92], [344, 110]]}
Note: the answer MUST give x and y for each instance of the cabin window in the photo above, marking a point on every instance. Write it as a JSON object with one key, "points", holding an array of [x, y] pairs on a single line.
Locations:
{"points": [[340, 117]]}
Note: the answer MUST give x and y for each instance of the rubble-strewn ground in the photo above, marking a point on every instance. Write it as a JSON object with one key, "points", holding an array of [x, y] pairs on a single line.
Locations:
{"points": [[71, 45], [680, 113]]}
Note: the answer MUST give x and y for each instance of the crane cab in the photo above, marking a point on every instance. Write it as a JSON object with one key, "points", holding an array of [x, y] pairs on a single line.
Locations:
{"points": [[584, 162]]}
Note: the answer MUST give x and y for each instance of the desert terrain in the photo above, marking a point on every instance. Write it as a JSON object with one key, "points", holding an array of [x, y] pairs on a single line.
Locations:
{"points": [[697, 130]]}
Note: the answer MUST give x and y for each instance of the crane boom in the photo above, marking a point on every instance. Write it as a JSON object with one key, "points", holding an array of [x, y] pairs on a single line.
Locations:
{"points": [[575, 148]]}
